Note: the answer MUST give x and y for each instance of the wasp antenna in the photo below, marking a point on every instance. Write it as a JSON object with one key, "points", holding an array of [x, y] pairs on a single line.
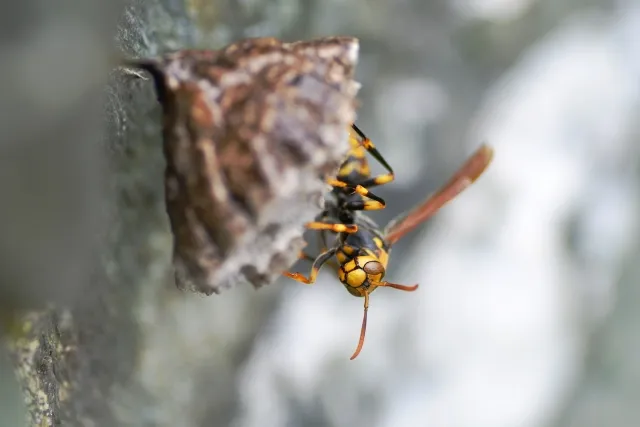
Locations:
{"points": [[363, 329], [397, 286]]}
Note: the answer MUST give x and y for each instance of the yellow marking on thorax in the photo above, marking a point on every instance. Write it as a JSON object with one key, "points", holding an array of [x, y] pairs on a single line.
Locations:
{"points": [[383, 255], [358, 152], [354, 138], [356, 156], [346, 169], [356, 143], [364, 168], [379, 243], [371, 256], [384, 258]]}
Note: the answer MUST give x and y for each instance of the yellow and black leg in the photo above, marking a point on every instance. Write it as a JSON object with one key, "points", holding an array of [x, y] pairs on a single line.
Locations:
{"points": [[375, 202], [305, 256], [371, 148], [315, 268], [336, 228], [323, 227]]}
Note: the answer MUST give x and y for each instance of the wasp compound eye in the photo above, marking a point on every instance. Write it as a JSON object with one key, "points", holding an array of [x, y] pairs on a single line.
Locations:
{"points": [[247, 153], [373, 267]]}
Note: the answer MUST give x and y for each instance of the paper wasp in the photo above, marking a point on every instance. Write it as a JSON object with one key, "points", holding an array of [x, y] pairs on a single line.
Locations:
{"points": [[362, 247]]}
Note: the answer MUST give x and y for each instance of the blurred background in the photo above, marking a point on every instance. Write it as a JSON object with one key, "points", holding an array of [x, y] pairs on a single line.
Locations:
{"points": [[529, 299]]}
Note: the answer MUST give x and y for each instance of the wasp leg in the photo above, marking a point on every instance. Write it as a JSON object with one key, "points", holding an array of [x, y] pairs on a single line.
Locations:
{"points": [[371, 148], [376, 202], [336, 228], [363, 205], [317, 264], [305, 256], [323, 240], [378, 180]]}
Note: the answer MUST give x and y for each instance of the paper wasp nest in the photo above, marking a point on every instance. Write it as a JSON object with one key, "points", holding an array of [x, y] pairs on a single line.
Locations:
{"points": [[250, 133]]}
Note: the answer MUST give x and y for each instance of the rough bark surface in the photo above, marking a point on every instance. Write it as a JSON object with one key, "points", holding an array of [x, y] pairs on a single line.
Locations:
{"points": [[85, 365]]}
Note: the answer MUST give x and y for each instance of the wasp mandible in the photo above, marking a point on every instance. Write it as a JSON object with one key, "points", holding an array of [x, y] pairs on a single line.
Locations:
{"points": [[361, 247]]}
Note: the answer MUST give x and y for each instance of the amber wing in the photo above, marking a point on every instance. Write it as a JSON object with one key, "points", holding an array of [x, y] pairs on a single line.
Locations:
{"points": [[464, 177]]}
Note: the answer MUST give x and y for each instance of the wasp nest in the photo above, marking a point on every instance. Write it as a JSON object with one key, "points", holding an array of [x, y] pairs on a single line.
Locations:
{"points": [[250, 133]]}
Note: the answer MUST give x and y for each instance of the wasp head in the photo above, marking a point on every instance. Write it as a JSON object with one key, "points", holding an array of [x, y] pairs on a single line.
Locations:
{"points": [[360, 273]]}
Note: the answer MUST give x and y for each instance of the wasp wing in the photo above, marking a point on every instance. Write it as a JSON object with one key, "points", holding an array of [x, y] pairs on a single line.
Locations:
{"points": [[464, 177]]}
